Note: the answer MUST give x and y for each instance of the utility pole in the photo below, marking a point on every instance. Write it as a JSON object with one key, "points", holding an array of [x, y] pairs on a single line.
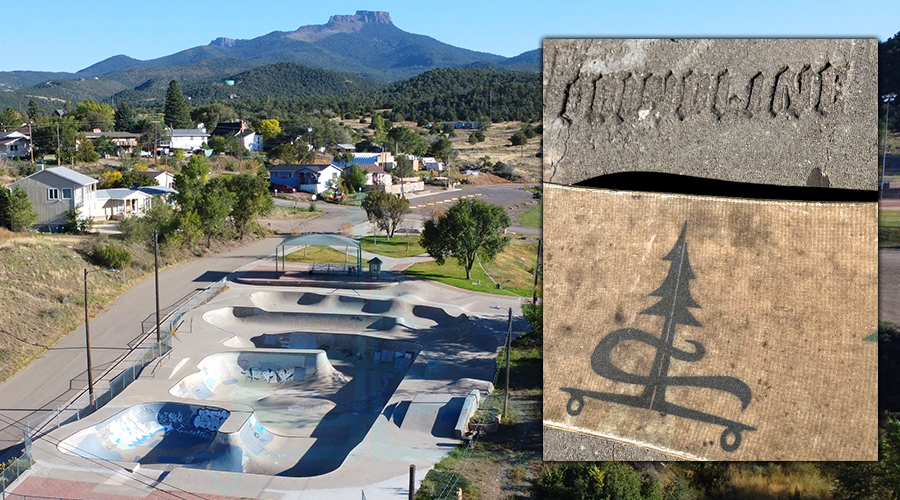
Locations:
{"points": [[508, 345]]}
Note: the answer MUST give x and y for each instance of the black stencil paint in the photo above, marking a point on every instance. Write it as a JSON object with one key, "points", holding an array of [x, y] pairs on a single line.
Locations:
{"points": [[674, 304]]}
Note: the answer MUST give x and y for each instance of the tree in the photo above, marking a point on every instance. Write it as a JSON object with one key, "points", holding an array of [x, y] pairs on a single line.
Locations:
{"points": [[76, 224], [33, 111], [407, 141], [189, 183], [354, 178], [442, 149], [269, 128], [518, 139], [126, 118], [10, 119], [86, 151], [20, 214], [105, 145], [176, 111], [385, 210], [92, 114], [253, 199], [404, 167], [216, 204], [470, 228], [218, 144], [211, 115]]}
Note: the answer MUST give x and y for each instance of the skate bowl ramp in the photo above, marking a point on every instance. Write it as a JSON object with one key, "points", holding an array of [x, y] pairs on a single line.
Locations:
{"points": [[159, 433], [256, 319]]}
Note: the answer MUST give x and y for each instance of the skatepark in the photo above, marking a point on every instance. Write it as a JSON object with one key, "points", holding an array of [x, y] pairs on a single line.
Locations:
{"points": [[340, 389]]}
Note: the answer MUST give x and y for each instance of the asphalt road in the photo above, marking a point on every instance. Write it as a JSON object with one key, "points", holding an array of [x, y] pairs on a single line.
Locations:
{"points": [[60, 374]]}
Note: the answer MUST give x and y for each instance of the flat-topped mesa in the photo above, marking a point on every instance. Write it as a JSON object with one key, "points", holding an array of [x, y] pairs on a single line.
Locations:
{"points": [[361, 16]]}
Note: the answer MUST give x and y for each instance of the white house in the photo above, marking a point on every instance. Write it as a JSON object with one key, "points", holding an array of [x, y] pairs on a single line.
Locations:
{"points": [[189, 139], [429, 163], [121, 202], [14, 145], [375, 176], [164, 179], [56, 190], [251, 140]]}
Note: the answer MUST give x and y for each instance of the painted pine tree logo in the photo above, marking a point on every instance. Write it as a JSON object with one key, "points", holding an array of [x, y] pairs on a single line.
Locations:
{"points": [[675, 300]]}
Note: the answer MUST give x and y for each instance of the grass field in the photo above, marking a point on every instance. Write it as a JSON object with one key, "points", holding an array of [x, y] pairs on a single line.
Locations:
{"points": [[301, 212], [532, 218], [889, 218], [395, 247], [512, 269]]}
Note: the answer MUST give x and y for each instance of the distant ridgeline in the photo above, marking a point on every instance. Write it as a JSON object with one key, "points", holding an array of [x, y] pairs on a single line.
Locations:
{"points": [[352, 55]]}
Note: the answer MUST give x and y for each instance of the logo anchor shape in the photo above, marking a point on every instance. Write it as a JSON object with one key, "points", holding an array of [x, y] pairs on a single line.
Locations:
{"points": [[675, 299]]}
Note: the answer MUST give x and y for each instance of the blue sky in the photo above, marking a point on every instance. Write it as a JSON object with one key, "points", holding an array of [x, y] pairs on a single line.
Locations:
{"points": [[62, 35]]}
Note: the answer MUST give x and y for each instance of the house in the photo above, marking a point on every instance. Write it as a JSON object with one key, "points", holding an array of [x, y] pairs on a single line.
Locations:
{"points": [[125, 142], [382, 160], [249, 139], [311, 178], [188, 139], [54, 191], [462, 124], [376, 176], [429, 163], [120, 202], [14, 145], [163, 179]]}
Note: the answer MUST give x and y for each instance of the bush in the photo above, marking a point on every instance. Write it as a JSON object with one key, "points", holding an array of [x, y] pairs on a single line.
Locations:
{"points": [[76, 224], [111, 256]]}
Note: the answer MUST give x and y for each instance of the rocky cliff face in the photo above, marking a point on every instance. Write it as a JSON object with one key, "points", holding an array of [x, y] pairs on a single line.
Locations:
{"points": [[361, 16], [340, 24]]}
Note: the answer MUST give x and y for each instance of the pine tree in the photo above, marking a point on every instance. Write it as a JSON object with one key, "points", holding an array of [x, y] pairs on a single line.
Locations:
{"points": [[176, 112], [20, 211], [675, 299]]}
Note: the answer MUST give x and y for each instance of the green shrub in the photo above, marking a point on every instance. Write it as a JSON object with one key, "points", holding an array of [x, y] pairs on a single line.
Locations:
{"points": [[111, 256]]}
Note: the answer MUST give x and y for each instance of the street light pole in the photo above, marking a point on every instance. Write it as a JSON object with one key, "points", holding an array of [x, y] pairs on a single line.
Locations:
{"points": [[888, 99], [156, 278]]}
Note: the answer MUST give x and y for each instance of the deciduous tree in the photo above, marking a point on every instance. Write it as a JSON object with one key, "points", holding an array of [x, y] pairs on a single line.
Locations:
{"points": [[353, 178], [385, 210], [253, 200], [269, 128], [470, 228]]}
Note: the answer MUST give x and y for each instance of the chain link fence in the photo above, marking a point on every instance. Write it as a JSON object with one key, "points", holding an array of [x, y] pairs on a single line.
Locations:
{"points": [[81, 406]]}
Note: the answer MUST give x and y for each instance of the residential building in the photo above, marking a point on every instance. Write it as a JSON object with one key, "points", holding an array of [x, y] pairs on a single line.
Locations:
{"points": [[249, 139], [121, 202], [126, 142], [14, 145], [376, 176], [188, 139], [54, 191], [311, 178], [429, 163], [164, 179]]}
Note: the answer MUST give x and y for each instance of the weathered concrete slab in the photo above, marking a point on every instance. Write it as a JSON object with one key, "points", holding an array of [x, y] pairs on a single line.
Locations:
{"points": [[761, 111]]}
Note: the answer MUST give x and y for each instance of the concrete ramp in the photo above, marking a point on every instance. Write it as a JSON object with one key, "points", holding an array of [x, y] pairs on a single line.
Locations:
{"points": [[434, 414], [221, 374], [254, 319]]}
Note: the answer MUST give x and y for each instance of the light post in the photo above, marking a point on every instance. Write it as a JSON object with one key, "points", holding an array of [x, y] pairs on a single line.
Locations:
{"points": [[156, 278], [887, 99], [87, 332]]}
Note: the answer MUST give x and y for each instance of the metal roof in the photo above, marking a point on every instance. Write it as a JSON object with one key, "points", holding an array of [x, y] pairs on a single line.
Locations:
{"points": [[321, 239], [70, 175], [119, 194]]}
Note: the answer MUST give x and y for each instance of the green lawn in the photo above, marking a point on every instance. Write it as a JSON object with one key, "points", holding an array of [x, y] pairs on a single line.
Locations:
{"points": [[301, 212], [395, 247], [320, 254], [889, 218], [513, 269], [532, 218]]}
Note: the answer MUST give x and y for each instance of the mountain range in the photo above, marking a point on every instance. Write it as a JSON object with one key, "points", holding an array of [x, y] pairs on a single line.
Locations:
{"points": [[366, 44]]}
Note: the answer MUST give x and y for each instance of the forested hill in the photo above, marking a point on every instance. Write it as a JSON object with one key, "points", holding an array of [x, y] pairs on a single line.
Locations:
{"points": [[466, 94], [272, 81]]}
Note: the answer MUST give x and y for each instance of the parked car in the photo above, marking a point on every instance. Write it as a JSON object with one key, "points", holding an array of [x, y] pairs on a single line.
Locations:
{"points": [[281, 188]]}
